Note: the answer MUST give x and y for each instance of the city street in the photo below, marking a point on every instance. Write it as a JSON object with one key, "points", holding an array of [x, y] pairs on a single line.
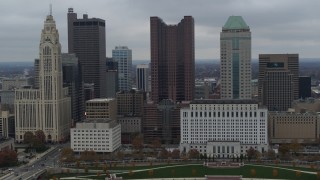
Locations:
{"points": [[39, 164]]}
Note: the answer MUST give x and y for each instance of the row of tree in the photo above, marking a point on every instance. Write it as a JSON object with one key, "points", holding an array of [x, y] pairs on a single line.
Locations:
{"points": [[36, 140]]}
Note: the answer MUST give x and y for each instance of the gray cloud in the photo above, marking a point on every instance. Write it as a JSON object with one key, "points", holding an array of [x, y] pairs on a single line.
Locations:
{"points": [[277, 26]]}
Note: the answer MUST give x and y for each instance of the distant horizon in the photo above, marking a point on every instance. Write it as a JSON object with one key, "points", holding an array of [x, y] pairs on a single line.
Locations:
{"points": [[145, 60]]}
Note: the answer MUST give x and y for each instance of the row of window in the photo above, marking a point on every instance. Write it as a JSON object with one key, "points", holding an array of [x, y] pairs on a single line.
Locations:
{"points": [[81, 130], [95, 149], [222, 114], [95, 145], [90, 138]]}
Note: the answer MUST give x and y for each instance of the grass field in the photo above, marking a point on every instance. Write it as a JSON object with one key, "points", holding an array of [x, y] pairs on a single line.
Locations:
{"points": [[247, 171]]}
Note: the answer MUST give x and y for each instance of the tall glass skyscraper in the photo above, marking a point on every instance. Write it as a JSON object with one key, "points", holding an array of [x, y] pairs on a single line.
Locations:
{"points": [[235, 56], [123, 56]]}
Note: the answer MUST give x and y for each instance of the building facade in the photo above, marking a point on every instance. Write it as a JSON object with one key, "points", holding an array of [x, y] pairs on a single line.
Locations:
{"points": [[112, 78], [12, 83], [130, 127], [87, 39], [73, 80], [278, 83], [304, 87], [306, 105], [101, 108], [162, 121], [49, 107], [6, 124], [234, 124], [142, 77], [130, 103], [285, 127], [172, 60], [123, 56], [235, 56], [99, 135]]}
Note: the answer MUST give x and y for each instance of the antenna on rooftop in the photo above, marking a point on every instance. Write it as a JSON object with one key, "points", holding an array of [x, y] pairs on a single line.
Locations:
{"points": [[50, 9]]}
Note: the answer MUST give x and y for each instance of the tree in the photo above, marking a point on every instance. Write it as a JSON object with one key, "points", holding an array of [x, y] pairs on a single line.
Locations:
{"points": [[39, 135], [205, 156], [28, 137], [258, 156], [295, 146], [241, 157], [155, 144], [284, 149], [201, 156], [251, 153], [36, 140], [8, 158], [137, 143], [175, 154], [120, 155], [151, 172], [88, 155], [271, 154], [86, 170], [194, 172], [164, 154], [193, 154], [67, 155], [253, 172], [275, 172]]}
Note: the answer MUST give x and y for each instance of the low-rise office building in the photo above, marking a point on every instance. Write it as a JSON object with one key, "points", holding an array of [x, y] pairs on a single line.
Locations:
{"points": [[285, 127], [224, 128], [99, 135]]}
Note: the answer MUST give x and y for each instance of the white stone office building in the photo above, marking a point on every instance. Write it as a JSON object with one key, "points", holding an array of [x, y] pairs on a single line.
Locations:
{"points": [[99, 135], [235, 55], [49, 107], [123, 55], [224, 128]]}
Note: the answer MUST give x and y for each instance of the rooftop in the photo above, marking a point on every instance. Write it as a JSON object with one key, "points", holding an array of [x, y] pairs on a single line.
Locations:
{"points": [[224, 101], [107, 120], [235, 22], [101, 100]]}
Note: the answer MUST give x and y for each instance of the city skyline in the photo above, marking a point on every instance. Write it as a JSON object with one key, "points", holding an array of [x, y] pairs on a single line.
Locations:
{"points": [[277, 27]]}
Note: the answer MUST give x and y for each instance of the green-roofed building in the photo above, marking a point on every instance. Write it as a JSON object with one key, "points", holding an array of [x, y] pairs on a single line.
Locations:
{"points": [[235, 22], [235, 56]]}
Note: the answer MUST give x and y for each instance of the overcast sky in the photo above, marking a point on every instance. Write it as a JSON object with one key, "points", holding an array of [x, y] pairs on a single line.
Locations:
{"points": [[277, 26]]}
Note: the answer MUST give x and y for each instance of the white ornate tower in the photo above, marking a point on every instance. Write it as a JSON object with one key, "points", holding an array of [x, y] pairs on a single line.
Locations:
{"points": [[47, 108]]}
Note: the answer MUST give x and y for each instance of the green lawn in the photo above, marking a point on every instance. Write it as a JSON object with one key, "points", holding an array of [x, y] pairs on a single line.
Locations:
{"points": [[200, 171]]}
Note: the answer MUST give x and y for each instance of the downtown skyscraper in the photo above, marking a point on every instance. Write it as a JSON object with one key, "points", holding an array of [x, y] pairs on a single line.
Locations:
{"points": [[235, 56], [87, 39], [47, 108], [142, 77], [123, 56], [278, 80], [172, 60]]}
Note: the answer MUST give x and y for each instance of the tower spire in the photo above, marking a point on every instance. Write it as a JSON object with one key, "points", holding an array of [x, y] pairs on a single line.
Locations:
{"points": [[50, 9]]}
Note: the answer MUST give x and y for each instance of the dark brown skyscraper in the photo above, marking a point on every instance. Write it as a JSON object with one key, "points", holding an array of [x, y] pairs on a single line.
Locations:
{"points": [[172, 60], [278, 83], [87, 39]]}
